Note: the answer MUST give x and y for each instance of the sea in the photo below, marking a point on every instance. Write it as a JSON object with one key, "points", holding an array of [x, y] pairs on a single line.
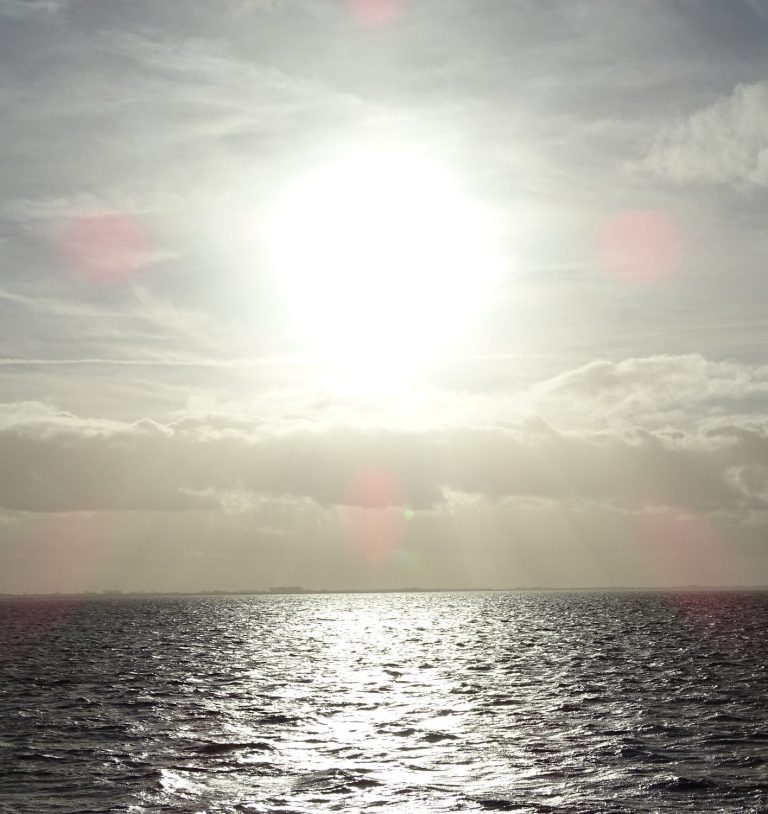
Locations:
{"points": [[533, 702]]}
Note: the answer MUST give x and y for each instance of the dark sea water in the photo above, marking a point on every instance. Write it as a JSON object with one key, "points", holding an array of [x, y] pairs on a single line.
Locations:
{"points": [[394, 703]]}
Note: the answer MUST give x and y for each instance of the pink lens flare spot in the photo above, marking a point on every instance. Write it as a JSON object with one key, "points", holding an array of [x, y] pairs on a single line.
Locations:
{"points": [[375, 489], [375, 12], [640, 246], [64, 552], [59, 553], [105, 248], [375, 515], [678, 548]]}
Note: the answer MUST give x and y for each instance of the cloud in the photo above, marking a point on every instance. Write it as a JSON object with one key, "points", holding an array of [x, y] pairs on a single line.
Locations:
{"points": [[31, 8], [132, 112], [630, 444], [723, 143], [652, 391]]}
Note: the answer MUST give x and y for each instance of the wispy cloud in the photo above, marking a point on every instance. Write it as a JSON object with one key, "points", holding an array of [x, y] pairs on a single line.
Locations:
{"points": [[725, 142], [31, 8]]}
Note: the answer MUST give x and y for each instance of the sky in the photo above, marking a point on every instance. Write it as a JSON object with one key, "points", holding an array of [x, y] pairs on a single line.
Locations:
{"points": [[367, 294]]}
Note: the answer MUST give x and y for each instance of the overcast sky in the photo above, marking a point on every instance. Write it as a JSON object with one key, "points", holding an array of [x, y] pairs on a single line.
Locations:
{"points": [[548, 367]]}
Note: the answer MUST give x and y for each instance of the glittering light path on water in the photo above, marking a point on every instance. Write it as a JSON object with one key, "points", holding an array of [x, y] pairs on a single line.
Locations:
{"points": [[401, 702]]}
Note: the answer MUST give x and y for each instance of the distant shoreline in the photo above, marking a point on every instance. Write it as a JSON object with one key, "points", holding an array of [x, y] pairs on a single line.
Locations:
{"points": [[108, 595]]}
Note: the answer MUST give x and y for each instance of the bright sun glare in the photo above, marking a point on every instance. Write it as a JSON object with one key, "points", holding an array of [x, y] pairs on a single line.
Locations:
{"points": [[385, 262]]}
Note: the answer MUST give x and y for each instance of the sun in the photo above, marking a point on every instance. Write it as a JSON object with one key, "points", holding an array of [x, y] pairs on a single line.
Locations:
{"points": [[383, 263]]}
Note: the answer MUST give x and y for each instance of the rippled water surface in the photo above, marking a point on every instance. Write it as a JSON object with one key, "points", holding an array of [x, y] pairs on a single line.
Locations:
{"points": [[395, 702]]}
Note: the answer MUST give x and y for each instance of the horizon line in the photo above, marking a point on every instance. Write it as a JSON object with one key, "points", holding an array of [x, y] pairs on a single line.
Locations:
{"points": [[300, 591]]}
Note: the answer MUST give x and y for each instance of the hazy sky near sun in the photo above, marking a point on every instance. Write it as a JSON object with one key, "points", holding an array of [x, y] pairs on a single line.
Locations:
{"points": [[348, 293]]}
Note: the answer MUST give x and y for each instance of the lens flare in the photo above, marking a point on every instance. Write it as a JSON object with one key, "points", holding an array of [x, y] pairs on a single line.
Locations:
{"points": [[105, 248], [676, 547], [375, 12], [60, 552], [640, 246], [375, 515]]}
